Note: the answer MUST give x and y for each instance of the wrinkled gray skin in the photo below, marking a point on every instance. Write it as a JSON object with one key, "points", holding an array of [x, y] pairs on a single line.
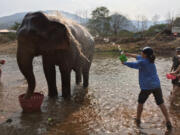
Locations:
{"points": [[59, 42]]}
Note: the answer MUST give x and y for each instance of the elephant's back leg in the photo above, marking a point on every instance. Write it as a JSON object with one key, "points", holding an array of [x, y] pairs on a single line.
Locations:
{"points": [[85, 73], [78, 74], [66, 81]]}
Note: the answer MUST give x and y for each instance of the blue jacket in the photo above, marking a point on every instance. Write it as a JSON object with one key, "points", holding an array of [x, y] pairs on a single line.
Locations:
{"points": [[148, 77]]}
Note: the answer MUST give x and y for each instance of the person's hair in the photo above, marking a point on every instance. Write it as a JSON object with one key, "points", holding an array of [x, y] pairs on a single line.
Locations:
{"points": [[148, 51], [151, 57]]}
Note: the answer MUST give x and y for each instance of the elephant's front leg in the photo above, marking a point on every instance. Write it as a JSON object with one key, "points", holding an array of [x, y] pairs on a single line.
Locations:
{"points": [[24, 60], [66, 82], [50, 74]]}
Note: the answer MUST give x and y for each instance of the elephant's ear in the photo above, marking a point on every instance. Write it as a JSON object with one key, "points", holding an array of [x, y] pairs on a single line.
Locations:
{"points": [[58, 36]]}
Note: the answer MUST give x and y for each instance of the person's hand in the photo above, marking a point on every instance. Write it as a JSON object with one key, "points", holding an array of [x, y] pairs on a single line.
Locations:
{"points": [[122, 62], [127, 54], [178, 75], [172, 73]]}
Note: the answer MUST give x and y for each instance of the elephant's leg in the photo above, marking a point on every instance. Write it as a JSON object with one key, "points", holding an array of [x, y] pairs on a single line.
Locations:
{"points": [[78, 76], [24, 60], [85, 73], [50, 74], [66, 82]]}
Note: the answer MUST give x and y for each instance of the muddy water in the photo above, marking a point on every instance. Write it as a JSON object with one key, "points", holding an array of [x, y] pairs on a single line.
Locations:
{"points": [[107, 107]]}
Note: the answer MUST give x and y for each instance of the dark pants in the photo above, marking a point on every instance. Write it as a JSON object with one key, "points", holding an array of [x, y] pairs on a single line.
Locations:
{"points": [[176, 82], [157, 93]]}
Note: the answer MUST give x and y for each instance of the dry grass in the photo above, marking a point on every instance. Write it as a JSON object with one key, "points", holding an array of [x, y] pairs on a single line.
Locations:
{"points": [[8, 48]]}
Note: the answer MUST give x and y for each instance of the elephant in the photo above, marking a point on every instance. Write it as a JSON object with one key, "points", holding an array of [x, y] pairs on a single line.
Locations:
{"points": [[60, 42]]}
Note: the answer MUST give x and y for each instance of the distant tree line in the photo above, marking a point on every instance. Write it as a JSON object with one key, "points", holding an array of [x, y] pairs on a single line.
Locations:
{"points": [[103, 24]]}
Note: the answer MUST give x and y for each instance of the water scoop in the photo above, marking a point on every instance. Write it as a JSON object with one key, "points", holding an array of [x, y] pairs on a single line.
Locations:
{"points": [[2, 62], [170, 76], [122, 56]]}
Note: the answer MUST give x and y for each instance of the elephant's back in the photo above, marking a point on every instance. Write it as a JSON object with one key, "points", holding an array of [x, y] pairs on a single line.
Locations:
{"points": [[83, 37]]}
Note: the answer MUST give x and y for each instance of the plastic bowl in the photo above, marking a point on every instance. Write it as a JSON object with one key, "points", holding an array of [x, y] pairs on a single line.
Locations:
{"points": [[33, 104], [169, 76], [2, 61]]}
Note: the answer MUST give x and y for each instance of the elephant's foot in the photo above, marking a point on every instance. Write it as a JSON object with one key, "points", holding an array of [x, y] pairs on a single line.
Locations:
{"points": [[66, 94], [85, 85], [53, 94], [85, 79], [78, 83]]}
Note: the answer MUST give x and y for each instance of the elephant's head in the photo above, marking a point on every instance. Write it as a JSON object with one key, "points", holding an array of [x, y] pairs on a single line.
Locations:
{"points": [[46, 35]]}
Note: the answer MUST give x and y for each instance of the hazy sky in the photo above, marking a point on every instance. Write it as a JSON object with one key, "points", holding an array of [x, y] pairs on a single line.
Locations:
{"points": [[131, 8]]}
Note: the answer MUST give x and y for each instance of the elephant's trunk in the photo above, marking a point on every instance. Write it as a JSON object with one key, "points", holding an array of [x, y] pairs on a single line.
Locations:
{"points": [[24, 59]]}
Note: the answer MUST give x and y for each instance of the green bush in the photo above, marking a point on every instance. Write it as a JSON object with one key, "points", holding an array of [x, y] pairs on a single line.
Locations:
{"points": [[125, 33], [153, 30]]}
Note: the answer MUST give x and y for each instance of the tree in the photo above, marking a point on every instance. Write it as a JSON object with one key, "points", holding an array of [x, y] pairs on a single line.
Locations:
{"points": [[153, 30], [82, 16], [169, 18], [15, 26], [144, 22], [118, 22], [100, 21], [100, 12], [138, 23]]}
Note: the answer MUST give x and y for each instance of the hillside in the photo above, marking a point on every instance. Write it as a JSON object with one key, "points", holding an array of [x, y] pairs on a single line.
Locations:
{"points": [[7, 21]]}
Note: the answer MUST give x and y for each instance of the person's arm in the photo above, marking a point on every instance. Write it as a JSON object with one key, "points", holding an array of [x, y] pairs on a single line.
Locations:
{"points": [[131, 55], [176, 71], [172, 68], [135, 65]]}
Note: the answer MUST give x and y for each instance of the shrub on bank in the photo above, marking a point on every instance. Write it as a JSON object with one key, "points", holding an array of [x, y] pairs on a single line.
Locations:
{"points": [[7, 37], [153, 30]]}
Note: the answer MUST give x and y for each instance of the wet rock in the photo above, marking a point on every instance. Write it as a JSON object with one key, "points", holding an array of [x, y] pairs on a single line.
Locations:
{"points": [[42, 130], [9, 120], [50, 119]]}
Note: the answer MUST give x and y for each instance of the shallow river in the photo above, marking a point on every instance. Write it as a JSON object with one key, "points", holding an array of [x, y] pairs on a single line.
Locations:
{"points": [[107, 107]]}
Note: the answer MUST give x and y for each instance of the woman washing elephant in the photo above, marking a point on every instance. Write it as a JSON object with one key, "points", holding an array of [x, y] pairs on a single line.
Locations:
{"points": [[149, 83], [60, 42]]}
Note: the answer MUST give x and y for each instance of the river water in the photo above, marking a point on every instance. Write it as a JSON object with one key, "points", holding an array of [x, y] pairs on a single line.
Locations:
{"points": [[107, 107]]}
